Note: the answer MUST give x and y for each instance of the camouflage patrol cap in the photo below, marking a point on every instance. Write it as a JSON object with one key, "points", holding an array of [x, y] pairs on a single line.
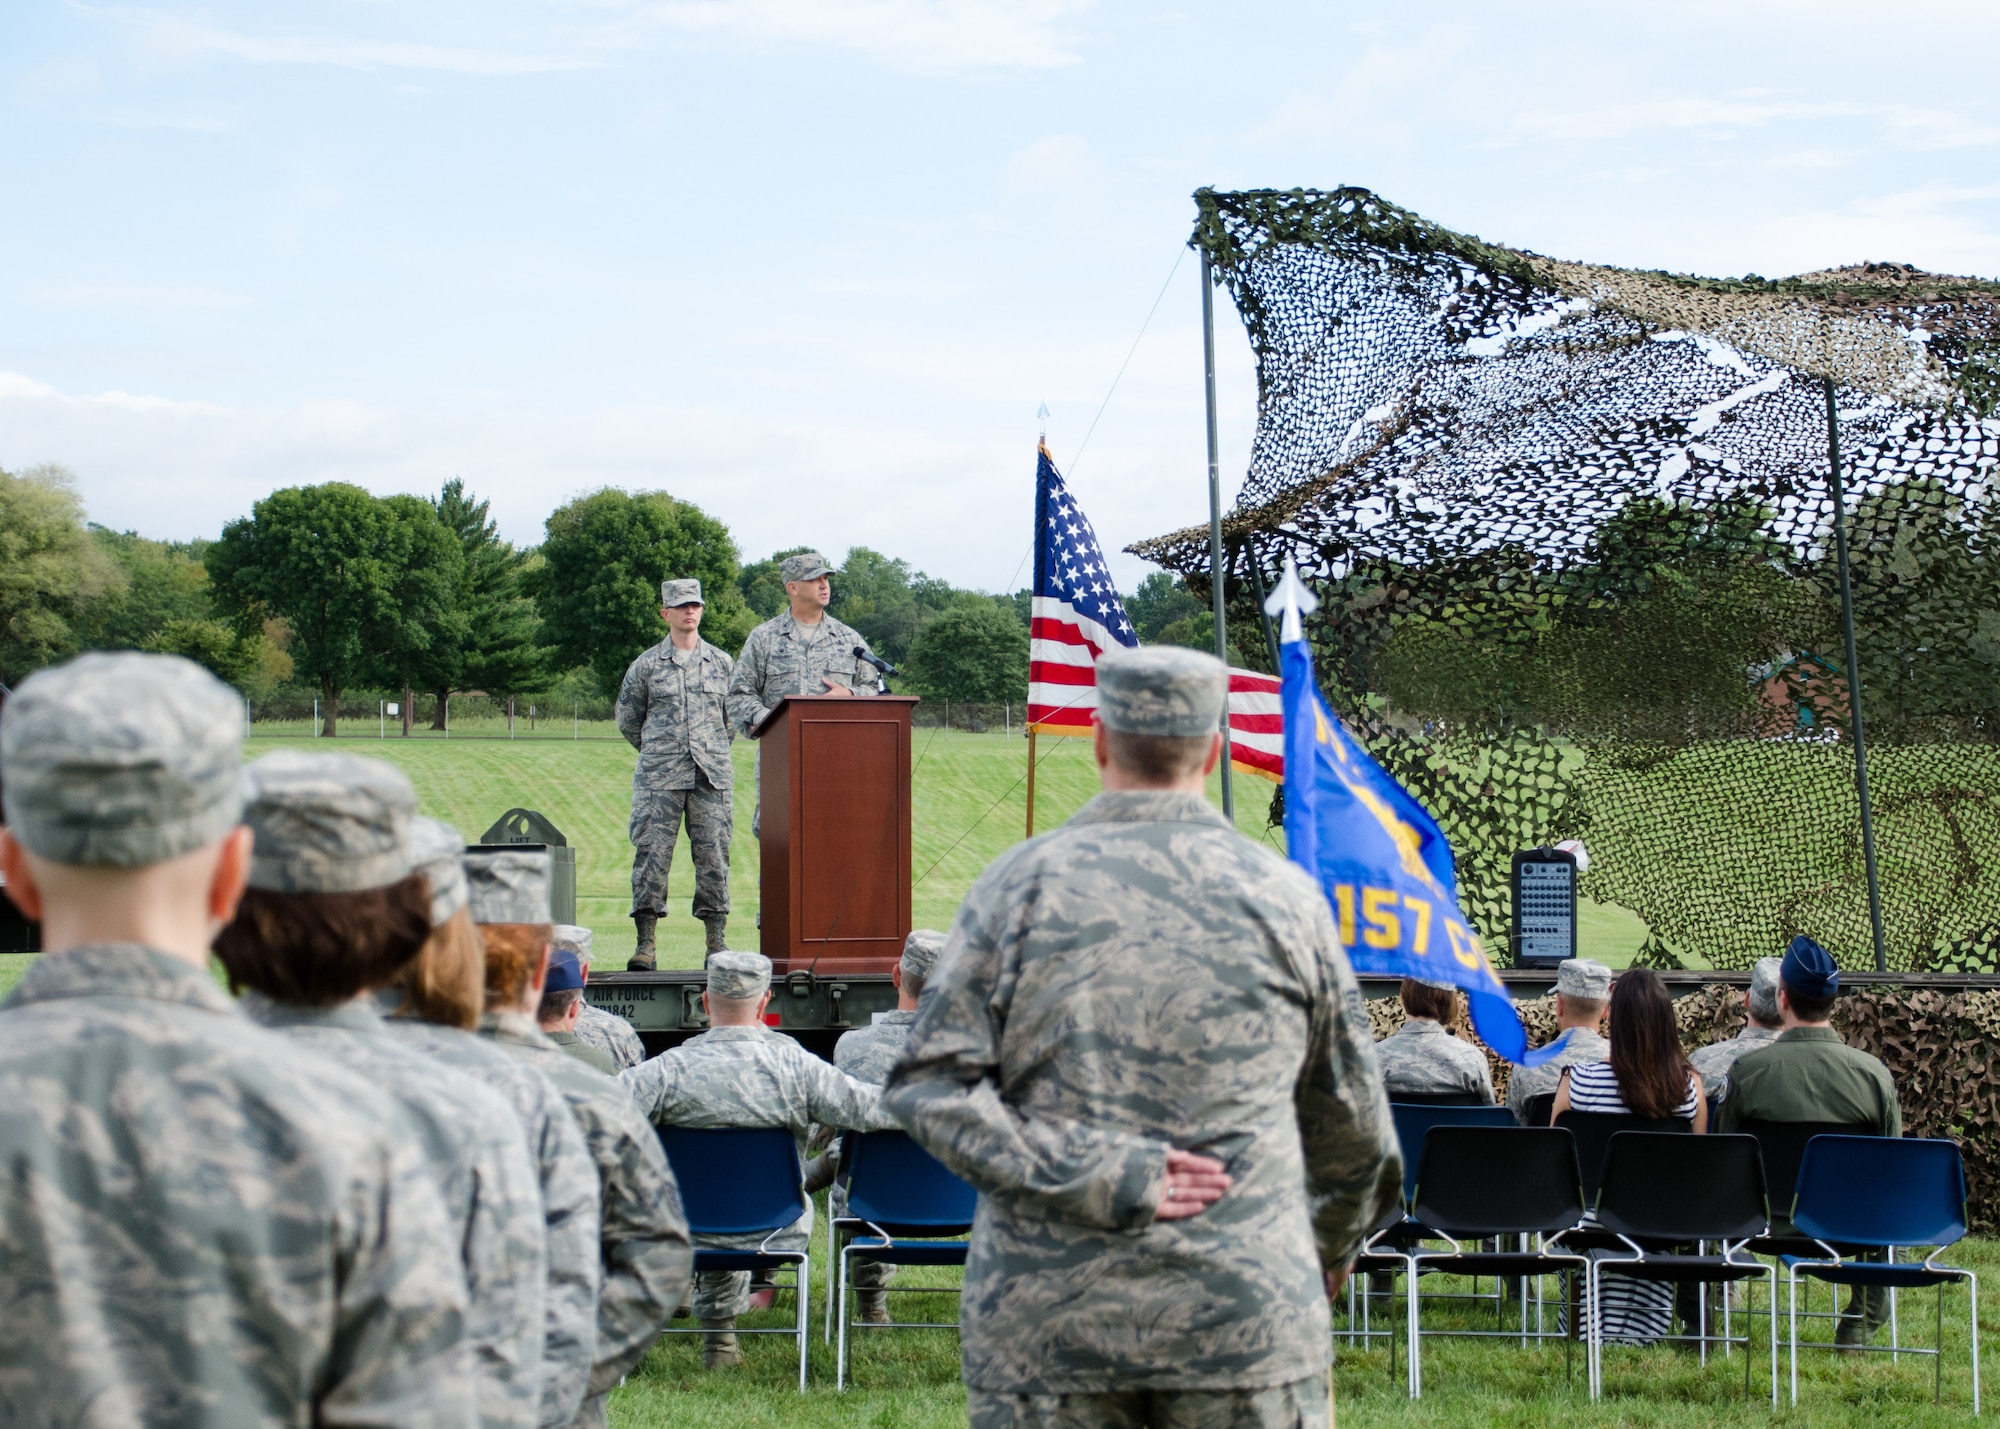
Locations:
{"points": [[1584, 978], [920, 952], [437, 851], [122, 761], [738, 976], [574, 938], [673, 593], [1160, 690], [328, 823], [509, 885], [806, 566], [1764, 989]]}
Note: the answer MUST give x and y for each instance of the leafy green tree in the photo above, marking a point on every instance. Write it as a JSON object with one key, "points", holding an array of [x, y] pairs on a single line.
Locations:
{"points": [[762, 588], [51, 572], [494, 646], [1163, 600], [975, 652], [164, 581], [362, 582], [603, 558], [225, 652]]}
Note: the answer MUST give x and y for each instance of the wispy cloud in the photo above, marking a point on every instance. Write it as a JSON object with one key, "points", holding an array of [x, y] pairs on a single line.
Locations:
{"points": [[920, 35], [1902, 125], [173, 34], [141, 295]]}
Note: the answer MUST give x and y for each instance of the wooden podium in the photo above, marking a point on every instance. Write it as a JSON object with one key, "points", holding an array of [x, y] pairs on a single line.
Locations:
{"points": [[834, 810]]}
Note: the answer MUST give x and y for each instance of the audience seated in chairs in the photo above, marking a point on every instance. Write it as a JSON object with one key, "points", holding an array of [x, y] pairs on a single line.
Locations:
{"points": [[1809, 1075], [1647, 1076], [1423, 1059]]}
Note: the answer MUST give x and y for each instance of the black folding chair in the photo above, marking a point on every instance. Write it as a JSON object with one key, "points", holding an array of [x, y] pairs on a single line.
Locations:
{"points": [[1437, 1098], [1667, 1190], [1593, 1131], [1484, 1182]]}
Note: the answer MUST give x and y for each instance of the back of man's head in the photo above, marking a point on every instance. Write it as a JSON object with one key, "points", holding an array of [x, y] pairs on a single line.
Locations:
{"points": [[1160, 707], [122, 761], [1762, 999], [123, 792]]}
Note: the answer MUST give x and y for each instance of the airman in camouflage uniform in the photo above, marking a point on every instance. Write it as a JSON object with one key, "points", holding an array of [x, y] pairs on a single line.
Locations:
{"points": [[1713, 1062], [793, 653], [644, 1246], [563, 1168], [202, 1223], [609, 1033], [740, 1073], [671, 709], [1423, 1058], [332, 823], [1126, 1007], [868, 1054], [1583, 987]]}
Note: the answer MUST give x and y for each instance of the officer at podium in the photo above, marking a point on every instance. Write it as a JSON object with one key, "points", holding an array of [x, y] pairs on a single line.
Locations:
{"points": [[800, 651], [671, 709]]}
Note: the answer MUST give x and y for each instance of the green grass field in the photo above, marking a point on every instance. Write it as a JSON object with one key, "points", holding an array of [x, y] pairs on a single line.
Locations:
{"points": [[968, 797], [909, 1380]]}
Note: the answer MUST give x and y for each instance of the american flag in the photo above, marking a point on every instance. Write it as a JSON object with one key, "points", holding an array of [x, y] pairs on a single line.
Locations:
{"points": [[1076, 615]]}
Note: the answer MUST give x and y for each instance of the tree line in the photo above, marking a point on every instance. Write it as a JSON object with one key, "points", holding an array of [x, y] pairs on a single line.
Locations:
{"points": [[324, 590]]}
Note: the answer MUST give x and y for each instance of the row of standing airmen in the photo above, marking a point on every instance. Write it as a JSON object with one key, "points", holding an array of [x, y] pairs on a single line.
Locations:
{"points": [[375, 1192]]}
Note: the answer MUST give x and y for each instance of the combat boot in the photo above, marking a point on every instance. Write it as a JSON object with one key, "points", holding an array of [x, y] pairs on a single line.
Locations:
{"points": [[645, 957], [719, 1349], [874, 1306], [716, 926]]}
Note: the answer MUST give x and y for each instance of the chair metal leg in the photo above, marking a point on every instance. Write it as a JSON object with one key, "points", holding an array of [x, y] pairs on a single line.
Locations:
{"points": [[840, 1315], [805, 1319], [832, 1257], [1591, 1329], [1937, 1368], [1972, 1288], [1792, 1301], [1774, 1331], [1413, 1327], [1894, 1344]]}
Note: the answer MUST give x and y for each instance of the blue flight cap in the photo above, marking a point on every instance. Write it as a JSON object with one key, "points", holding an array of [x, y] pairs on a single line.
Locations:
{"points": [[1809, 969], [565, 970]]}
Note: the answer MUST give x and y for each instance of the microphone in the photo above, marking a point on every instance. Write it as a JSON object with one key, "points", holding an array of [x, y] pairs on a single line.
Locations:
{"points": [[861, 653]]}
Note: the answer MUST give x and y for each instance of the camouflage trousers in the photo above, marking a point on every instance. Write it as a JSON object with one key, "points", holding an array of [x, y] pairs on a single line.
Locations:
{"points": [[591, 1414], [725, 1294], [1302, 1404], [656, 827]]}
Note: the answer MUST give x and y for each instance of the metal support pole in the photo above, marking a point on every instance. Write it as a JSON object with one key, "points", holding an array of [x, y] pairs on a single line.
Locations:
{"points": [[1216, 576], [1853, 677]]}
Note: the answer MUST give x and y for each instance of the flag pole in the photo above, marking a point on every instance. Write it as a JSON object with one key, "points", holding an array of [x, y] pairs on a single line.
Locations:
{"points": [[1215, 574], [1853, 679], [1041, 571]]}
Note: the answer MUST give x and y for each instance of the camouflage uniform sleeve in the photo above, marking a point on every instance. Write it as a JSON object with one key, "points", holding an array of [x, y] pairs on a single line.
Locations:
{"points": [[744, 704], [945, 1092], [649, 1084], [1354, 1168], [399, 1354], [649, 1257], [576, 1273], [631, 714], [837, 1100]]}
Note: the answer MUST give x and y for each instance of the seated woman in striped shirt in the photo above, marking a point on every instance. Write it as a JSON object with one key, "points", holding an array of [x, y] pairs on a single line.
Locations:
{"points": [[1648, 1076]]}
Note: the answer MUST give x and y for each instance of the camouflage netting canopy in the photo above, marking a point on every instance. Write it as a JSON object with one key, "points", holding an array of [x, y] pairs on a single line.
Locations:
{"points": [[1572, 530]]}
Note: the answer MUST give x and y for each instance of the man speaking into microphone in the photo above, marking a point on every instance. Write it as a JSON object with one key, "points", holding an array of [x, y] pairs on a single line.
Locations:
{"points": [[798, 651]]}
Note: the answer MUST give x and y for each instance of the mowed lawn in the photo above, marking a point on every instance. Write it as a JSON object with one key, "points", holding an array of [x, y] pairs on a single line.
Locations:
{"points": [[968, 798], [909, 1379]]}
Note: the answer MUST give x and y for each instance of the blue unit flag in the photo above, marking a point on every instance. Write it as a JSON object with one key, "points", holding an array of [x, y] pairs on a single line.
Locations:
{"points": [[1379, 855]]}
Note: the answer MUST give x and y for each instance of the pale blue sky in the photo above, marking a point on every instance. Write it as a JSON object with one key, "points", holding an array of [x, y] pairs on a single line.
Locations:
{"points": [[812, 264]]}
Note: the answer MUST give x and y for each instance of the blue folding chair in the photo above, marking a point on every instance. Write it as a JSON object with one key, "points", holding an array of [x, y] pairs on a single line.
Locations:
{"points": [[1886, 1194], [742, 1181], [916, 1210]]}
